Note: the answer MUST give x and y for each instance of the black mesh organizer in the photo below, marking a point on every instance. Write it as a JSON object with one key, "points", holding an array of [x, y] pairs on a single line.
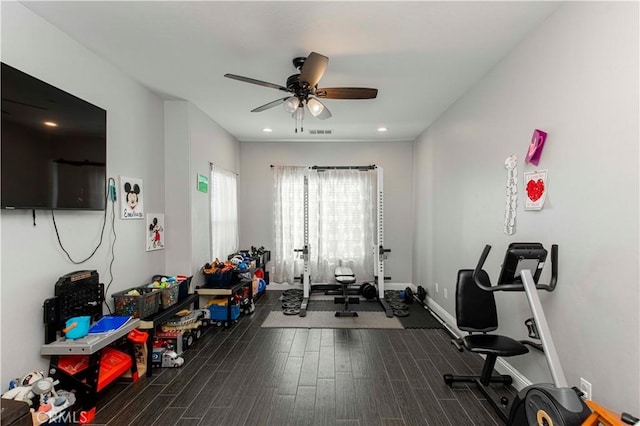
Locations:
{"points": [[76, 294]]}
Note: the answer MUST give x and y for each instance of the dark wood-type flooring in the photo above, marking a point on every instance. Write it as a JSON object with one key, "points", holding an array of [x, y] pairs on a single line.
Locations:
{"points": [[248, 375]]}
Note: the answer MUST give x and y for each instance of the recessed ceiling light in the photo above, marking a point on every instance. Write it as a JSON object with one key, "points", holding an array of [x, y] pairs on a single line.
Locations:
{"points": [[382, 129], [50, 124], [267, 130]]}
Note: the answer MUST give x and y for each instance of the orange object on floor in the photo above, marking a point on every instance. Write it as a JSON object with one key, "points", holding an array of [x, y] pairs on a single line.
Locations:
{"points": [[602, 416]]}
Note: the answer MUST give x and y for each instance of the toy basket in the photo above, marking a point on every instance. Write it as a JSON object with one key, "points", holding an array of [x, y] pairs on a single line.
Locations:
{"points": [[142, 306], [169, 296]]}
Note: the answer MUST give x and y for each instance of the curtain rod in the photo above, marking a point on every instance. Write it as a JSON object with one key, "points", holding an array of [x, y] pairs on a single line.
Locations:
{"points": [[369, 167], [223, 169]]}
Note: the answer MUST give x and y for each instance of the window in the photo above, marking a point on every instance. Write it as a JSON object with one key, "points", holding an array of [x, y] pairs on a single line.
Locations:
{"points": [[224, 213], [341, 217]]}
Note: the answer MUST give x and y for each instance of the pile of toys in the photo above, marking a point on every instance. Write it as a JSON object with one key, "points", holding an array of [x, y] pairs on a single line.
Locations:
{"points": [[178, 334], [39, 392], [163, 282], [217, 267]]}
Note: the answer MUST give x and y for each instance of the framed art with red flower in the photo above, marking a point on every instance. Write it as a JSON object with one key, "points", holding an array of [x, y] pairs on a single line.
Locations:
{"points": [[535, 186]]}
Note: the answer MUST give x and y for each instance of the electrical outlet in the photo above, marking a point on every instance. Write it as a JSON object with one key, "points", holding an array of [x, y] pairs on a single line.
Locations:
{"points": [[445, 293], [585, 388], [437, 288]]}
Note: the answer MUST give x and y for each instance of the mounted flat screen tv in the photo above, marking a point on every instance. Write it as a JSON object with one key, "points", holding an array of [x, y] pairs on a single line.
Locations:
{"points": [[53, 147]]}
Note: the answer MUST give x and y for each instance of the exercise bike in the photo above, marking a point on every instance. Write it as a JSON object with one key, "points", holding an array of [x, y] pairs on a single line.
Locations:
{"points": [[539, 404]]}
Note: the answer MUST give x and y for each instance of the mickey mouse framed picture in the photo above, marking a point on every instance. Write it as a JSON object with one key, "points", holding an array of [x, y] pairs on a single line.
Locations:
{"points": [[155, 231], [131, 196]]}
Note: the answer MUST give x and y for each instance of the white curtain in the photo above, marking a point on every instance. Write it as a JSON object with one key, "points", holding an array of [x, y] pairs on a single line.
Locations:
{"points": [[288, 221], [346, 211], [341, 222], [224, 213]]}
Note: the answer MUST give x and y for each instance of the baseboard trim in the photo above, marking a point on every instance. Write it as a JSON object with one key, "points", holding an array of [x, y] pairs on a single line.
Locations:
{"points": [[502, 366], [398, 286]]}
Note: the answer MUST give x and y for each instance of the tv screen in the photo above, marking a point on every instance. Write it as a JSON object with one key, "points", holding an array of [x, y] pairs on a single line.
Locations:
{"points": [[53, 147]]}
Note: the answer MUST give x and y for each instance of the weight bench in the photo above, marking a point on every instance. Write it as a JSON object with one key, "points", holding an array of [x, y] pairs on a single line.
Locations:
{"points": [[345, 277]]}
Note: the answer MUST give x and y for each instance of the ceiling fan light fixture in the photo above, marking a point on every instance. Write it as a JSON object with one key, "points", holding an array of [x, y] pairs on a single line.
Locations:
{"points": [[298, 114], [291, 104], [315, 107]]}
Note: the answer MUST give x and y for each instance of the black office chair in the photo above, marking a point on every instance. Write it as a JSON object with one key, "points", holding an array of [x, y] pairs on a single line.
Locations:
{"points": [[476, 313]]}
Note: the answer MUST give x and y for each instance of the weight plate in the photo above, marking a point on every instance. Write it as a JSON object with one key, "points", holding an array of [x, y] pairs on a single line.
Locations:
{"points": [[289, 305], [292, 299], [293, 296], [408, 295], [291, 311], [400, 313], [369, 291], [422, 293], [398, 306]]}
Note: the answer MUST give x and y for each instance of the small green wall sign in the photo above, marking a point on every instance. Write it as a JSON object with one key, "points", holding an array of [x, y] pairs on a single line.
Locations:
{"points": [[203, 183]]}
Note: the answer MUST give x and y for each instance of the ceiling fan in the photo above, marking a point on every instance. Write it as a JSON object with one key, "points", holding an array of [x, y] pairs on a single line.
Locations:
{"points": [[304, 90]]}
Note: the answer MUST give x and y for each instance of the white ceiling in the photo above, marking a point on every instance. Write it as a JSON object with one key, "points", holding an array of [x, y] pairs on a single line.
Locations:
{"points": [[420, 55]]}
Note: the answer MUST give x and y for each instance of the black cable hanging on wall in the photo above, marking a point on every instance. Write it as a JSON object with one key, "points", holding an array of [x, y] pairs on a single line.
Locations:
{"points": [[104, 222]]}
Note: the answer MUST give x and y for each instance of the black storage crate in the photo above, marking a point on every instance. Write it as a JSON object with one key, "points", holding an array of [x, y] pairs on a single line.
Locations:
{"points": [[183, 292], [218, 279]]}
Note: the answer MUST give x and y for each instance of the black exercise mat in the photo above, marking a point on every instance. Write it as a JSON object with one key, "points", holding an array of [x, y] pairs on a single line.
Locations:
{"points": [[330, 306], [419, 317]]}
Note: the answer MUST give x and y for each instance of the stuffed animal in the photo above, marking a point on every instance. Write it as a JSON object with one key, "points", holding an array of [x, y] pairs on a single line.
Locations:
{"points": [[22, 389], [20, 393], [49, 403]]}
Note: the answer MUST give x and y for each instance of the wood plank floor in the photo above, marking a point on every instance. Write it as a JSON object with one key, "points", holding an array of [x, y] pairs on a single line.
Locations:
{"points": [[247, 375]]}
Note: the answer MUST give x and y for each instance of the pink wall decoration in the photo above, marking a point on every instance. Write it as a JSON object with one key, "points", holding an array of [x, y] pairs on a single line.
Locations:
{"points": [[535, 147]]}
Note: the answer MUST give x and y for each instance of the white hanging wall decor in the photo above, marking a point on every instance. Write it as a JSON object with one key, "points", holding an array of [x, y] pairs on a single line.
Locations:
{"points": [[511, 164]]}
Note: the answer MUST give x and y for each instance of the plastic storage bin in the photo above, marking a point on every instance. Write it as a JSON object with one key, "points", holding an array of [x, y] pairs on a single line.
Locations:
{"points": [[142, 306], [218, 279], [169, 296], [184, 285], [219, 313]]}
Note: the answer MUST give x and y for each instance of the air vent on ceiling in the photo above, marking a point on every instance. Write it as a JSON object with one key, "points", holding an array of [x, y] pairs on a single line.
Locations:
{"points": [[320, 132]]}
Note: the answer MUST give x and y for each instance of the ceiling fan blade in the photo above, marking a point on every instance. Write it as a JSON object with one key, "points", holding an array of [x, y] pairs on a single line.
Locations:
{"points": [[313, 68], [270, 105], [258, 82], [314, 105], [346, 93]]}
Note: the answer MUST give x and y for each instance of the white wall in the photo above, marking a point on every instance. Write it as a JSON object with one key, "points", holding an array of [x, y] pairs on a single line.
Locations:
{"points": [[193, 141], [576, 76], [256, 190], [32, 261], [210, 143]]}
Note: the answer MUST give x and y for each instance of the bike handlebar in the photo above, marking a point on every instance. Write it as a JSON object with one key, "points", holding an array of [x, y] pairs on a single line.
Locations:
{"points": [[516, 286]]}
